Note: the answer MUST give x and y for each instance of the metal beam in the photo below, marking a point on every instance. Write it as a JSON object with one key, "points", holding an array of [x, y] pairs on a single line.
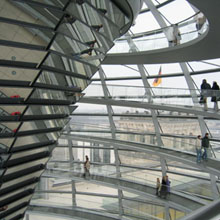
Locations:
{"points": [[147, 105], [113, 129], [212, 166]]}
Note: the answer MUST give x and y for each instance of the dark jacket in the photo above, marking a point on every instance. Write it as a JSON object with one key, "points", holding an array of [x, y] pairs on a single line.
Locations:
{"points": [[205, 142], [205, 85], [163, 189], [215, 86]]}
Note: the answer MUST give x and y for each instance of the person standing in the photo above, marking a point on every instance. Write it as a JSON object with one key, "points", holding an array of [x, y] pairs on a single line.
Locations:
{"points": [[205, 87], [205, 146], [158, 185], [200, 21], [215, 95], [173, 35], [198, 148], [163, 191], [176, 34], [168, 185], [86, 167]]}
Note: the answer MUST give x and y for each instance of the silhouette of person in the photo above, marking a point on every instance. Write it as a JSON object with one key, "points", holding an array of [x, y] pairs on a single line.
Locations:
{"points": [[215, 95], [86, 167], [205, 87]]}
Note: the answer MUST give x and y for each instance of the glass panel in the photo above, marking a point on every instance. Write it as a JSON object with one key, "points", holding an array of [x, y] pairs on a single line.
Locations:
{"points": [[62, 80], [180, 126], [28, 153], [121, 71], [180, 144], [84, 34], [49, 94], [13, 193], [190, 185], [110, 10], [143, 209], [11, 92], [76, 50], [139, 175], [20, 179], [24, 34], [59, 155], [48, 16], [91, 125], [10, 10], [7, 73], [156, 39], [32, 139], [102, 170], [53, 184], [8, 127], [28, 126], [65, 63], [90, 16], [68, 45], [25, 166], [83, 108], [46, 216], [93, 18], [176, 214], [16, 203], [57, 3], [183, 10], [46, 110], [97, 202], [5, 144], [87, 187], [24, 55], [139, 159], [52, 198]]}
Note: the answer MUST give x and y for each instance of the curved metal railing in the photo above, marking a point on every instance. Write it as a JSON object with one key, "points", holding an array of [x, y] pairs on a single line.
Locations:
{"points": [[156, 39]]}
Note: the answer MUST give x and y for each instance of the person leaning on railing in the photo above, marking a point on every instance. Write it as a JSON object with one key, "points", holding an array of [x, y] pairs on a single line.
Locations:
{"points": [[205, 88], [205, 146], [173, 35], [215, 95], [198, 148], [200, 21]]}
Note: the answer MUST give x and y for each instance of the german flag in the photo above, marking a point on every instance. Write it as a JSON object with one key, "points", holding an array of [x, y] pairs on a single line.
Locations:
{"points": [[158, 81]]}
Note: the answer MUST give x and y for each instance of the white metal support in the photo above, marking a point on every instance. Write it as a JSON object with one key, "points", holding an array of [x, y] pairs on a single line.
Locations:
{"points": [[214, 187], [73, 186], [113, 130], [167, 211]]}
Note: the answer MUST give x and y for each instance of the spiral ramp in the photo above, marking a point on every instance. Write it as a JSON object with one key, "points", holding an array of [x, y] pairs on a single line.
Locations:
{"points": [[204, 47], [49, 52], [120, 189]]}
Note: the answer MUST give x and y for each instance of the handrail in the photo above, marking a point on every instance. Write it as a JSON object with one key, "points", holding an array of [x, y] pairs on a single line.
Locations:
{"points": [[207, 92], [209, 211], [99, 206], [101, 127], [182, 24], [159, 30], [134, 178]]}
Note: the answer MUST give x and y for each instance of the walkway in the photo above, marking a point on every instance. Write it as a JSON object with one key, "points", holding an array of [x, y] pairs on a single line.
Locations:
{"points": [[146, 105], [176, 199], [71, 212], [211, 166], [206, 46]]}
